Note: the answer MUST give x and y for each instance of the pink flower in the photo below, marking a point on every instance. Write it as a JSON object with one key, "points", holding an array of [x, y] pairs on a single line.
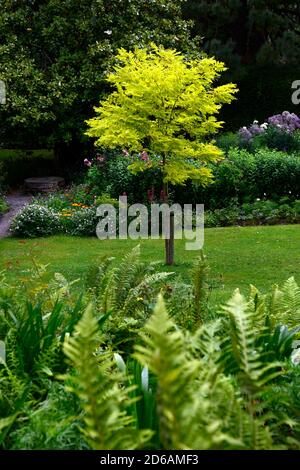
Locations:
{"points": [[100, 158], [150, 194], [125, 153], [87, 162], [144, 156]]}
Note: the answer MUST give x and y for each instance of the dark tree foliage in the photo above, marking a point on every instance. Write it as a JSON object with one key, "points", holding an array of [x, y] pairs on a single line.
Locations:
{"points": [[54, 56], [248, 31], [259, 40]]}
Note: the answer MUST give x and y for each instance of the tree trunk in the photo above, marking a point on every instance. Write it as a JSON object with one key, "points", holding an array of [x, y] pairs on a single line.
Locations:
{"points": [[169, 242]]}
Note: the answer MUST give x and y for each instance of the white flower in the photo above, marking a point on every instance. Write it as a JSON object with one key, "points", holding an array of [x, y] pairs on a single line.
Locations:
{"points": [[255, 122], [108, 32], [258, 199], [264, 125], [295, 357]]}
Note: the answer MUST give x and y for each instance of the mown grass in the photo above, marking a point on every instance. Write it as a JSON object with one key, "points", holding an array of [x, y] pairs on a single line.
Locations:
{"points": [[238, 256]]}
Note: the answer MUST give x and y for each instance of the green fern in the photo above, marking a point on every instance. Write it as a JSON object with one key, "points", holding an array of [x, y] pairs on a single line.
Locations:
{"points": [[242, 357], [96, 383], [164, 353], [241, 353], [285, 304], [127, 293], [188, 413]]}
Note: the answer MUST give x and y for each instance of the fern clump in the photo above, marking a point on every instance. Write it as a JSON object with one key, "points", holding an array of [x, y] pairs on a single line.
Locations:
{"points": [[96, 383], [126, 294], [187, 410], [145, 365]]}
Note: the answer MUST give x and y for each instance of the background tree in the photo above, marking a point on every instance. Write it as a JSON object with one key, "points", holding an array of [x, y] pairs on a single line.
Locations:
{"points": [[260, 43], [162, 110], [254, 31], [54, 55]]}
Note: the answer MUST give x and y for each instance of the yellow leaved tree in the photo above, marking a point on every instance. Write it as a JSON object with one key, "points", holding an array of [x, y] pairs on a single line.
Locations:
{"points": [[163, 111]]}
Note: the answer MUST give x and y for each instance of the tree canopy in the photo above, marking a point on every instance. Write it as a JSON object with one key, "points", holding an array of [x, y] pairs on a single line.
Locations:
{"points": [[162, 109], [54, 55], [248, 31], [260, 43]]}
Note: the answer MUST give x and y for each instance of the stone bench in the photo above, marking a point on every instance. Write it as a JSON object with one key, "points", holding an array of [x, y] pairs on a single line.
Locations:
{"points": [[44, 185]]}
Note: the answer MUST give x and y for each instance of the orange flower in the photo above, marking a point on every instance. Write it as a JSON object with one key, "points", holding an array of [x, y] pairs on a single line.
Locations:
{"points": [[66, 214]]}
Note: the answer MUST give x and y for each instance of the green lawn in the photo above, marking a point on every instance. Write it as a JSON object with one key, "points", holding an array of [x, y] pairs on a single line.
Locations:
{"points": [[238, 256]]}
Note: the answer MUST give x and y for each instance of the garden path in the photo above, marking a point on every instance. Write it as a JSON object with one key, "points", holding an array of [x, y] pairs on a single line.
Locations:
{"points": [[16, 201]]}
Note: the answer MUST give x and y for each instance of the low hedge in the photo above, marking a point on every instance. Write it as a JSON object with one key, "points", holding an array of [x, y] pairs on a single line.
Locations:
{"points": [[263, 212], [244, 177]]}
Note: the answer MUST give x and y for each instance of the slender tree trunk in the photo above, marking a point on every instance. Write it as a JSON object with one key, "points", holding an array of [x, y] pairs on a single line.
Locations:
{"points": [[169, 242]]}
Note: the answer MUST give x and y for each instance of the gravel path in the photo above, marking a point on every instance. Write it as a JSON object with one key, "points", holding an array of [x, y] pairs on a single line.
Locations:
{"points": [[16, 201]]}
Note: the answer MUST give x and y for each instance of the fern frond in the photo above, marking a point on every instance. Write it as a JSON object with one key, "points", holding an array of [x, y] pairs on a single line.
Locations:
{"points": [[242, 351], [107, 424], [164, 353], [257, 305], [126, 274], [254, 432], [207, 340], [285, 304], [191, 395], [143, 291], [107, 298]]}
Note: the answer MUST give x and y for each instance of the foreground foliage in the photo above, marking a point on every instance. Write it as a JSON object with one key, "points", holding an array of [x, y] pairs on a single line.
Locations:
{"points": [[198, 377]]}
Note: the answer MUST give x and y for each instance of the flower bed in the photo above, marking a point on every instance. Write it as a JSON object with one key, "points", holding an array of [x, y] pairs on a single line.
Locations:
{"points": [[72, 213]]}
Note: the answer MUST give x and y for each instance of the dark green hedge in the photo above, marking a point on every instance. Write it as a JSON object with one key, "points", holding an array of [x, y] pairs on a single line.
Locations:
{"points": [[245, 176], [16, 165]]}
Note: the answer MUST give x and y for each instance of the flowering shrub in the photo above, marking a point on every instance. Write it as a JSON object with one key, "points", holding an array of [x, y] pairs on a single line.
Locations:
{"points": [[109, 173], [81, 222], [36, 221], [247, 133], [275, 138], [286, 122], [279, 132], [61, 213]]}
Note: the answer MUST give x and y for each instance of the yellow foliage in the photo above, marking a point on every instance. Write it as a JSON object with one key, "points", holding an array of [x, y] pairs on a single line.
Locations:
{"points": [[164, 104]]}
